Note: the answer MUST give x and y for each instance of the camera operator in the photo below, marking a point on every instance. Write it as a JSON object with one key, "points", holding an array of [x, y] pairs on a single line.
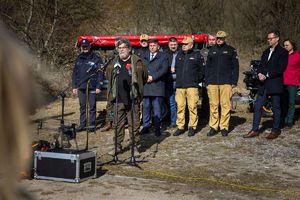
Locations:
{"points": [[270, 73], [86, 72]]}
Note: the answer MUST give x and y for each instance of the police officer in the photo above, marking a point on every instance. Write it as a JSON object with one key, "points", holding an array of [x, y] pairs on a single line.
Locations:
{"points": [[221, 75], [86, 83], [140, 52]]}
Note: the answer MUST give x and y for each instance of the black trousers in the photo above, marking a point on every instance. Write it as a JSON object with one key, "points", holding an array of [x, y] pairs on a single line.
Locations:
{"points": [[92, 107]]}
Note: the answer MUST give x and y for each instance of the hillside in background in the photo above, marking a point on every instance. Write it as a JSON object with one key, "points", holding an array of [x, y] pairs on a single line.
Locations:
{"points": [[49, 28]]}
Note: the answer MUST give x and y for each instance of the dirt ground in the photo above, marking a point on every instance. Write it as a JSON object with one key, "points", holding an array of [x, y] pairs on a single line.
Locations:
{"points": [[183, 167]]}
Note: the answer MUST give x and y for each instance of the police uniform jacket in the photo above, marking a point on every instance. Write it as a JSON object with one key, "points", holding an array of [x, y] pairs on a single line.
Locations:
{"points": [[222, 65], [87, 64], [189, 69], [273, 69], [157, 68]]}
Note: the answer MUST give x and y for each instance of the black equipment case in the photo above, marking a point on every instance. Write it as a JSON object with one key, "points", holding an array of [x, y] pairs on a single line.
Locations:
{"points": [[65, 165]]}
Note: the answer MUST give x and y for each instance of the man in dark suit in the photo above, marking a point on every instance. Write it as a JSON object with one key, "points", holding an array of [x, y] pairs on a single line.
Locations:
{"points": [[154, 90], [270, 73]]}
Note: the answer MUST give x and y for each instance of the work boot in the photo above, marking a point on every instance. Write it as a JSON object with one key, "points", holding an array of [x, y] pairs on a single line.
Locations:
{"points": [[191, 132], [80, 128], [157, 133], [106, 127], [212, 132], [224, 132], [144, 131], [178, 132]]}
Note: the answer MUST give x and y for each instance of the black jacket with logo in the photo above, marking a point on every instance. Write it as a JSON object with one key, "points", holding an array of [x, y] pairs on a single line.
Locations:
{"points": [[189, 69], [222, 65], [87, 65]]}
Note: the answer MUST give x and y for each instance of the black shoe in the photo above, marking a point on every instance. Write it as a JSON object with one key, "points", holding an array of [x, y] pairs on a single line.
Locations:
{"points": [[212, 132], [157, 133], [92, 129], [144, 131], [191, 132], [289, 125], [178, 132], [80, 128], [224, 132]]}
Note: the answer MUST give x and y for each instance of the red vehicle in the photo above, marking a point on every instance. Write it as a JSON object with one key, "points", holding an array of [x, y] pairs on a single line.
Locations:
{"points": [[108, 42]]}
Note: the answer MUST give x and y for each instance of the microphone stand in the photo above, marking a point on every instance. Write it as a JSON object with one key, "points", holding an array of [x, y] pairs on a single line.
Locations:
{"points": [[116, 74], [132, 159]]}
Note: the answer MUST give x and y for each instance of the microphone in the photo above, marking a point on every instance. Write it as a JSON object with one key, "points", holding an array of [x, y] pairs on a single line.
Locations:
{"points": [[117, 68], [117, 65]]}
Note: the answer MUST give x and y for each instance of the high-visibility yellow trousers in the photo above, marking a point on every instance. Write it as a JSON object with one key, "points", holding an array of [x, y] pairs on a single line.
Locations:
{"points": [[191, 97], [219, 95]]}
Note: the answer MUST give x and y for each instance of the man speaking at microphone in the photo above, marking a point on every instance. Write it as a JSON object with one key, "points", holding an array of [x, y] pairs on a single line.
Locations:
{"points": [[86, 72], [126, 77]]}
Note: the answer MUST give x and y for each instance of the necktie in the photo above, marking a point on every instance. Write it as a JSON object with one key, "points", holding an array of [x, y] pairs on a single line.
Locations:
{"points": [[152, 56]]}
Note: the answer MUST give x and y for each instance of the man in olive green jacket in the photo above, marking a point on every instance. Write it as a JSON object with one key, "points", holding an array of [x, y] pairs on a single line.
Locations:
{"points": [[126, 78]]}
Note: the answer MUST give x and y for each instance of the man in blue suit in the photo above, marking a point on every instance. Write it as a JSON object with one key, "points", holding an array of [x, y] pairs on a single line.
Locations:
{"points": [[154, 90]]}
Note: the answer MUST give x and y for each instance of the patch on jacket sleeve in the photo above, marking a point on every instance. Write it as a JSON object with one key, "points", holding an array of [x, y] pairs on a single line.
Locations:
{"points": [[214, 52], [192, 58], [225, 52]]}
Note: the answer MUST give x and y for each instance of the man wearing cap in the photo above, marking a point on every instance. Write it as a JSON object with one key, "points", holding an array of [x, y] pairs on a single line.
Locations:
{"points": [[221, 76], [86, 80], [154, 90], [140, 52], [189, 73]]}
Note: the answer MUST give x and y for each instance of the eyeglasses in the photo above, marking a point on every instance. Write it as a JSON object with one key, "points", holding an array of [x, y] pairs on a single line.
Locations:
{"points": [[120, 48], [271, 38]]}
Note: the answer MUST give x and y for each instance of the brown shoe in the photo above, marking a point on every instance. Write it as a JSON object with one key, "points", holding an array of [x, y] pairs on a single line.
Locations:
{"points": [[251, 134], [272, 136], [106, 127]]}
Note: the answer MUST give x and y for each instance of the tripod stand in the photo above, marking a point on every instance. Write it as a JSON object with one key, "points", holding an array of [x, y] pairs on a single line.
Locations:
{"points": [[64, 130]]}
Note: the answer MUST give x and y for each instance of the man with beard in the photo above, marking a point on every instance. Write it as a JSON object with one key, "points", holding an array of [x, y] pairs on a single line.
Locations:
{"points": [[86, 83], [126, 78]]}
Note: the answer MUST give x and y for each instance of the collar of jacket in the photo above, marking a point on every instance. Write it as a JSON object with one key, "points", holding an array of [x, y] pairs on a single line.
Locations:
{"points": [[188, 52], [147, 56], [276, 47], [222, 45], [86, 55], [171, 52]]}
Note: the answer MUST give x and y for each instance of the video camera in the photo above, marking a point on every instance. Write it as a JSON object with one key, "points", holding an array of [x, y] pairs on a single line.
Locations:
{"points": [[251, 77]]}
